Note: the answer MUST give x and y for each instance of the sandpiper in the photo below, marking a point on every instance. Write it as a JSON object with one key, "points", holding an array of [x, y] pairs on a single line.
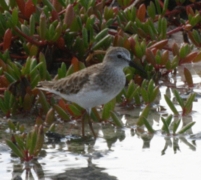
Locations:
{"points": [[95, 85]]}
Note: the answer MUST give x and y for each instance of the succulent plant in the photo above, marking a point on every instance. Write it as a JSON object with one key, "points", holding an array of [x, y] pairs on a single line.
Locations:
{"points": [[42, 37]]}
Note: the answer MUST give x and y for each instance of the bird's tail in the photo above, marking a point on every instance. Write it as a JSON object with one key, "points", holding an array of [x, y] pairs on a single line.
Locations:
{"points": [[45, 84]]}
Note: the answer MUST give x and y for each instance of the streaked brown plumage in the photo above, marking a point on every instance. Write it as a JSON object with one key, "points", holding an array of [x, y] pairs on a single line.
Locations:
{"points": [[95, 85]]}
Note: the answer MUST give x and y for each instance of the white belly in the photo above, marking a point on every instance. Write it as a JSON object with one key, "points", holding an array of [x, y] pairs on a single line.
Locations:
{"points": [[90, 99]]}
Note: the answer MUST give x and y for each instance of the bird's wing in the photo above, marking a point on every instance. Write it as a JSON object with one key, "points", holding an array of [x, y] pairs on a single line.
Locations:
{"points": [[68, 85]]}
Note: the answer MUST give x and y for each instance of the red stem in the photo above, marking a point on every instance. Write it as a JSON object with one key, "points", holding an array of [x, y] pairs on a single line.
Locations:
{"points": [[41, 43]]}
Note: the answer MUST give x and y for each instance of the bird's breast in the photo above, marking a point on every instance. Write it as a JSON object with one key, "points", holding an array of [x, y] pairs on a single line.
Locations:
{"points": [[112, 82]]}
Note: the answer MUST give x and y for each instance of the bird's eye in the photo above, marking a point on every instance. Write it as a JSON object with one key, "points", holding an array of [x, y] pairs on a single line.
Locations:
{"points": [[119, 56]]}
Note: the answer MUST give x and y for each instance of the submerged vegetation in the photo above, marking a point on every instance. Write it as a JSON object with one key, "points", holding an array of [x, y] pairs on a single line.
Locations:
{"points": [[41, 38]]}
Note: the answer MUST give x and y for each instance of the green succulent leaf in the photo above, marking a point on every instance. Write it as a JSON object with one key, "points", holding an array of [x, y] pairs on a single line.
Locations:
{"points": [[11, 125], [106, 40], [189, 102], [85, 36], [32, 141], [145, 95], [95, 115], [61, 112], [43, 101], [186, 128], [15, 149], [158, 7], [75, 110], [15, 20], [178, 98], [171, 105], [20, 142], [49, 5], [35, 80], [165, 6], [175, 126], [167, 120], [101, 35], [116, 119], [130, 90], [62, 71], [3, 4], [108, 107], [154, 94], [143, 115], [188, 77], [165, 126], [148, 126]]}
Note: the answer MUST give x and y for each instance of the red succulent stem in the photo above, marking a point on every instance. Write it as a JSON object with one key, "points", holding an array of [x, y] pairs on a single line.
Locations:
{"points": [[175, 30], [31, 40]]}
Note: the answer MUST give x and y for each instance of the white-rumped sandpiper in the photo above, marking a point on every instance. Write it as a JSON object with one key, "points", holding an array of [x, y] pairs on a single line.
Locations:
{"points": [[95, 85]]}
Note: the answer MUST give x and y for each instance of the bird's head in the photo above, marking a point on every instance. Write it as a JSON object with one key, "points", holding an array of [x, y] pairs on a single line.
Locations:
{"points": [[121, 57]]}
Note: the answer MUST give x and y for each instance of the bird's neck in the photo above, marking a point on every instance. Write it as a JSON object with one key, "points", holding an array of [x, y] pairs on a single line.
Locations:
{"points": [[113, 67]]}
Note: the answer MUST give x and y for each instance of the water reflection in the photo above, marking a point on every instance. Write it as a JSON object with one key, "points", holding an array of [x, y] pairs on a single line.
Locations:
{"points": [[31, 170], [93, 159], [128, 153], [88, 173], [35, 171], [74, 157]]}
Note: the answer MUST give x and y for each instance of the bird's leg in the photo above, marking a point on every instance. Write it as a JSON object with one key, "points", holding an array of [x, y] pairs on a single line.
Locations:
{"points": [[90, 123], [87, 115], [83, 121], [91, 127]]}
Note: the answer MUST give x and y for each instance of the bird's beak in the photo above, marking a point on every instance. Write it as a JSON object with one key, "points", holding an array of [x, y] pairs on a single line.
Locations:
{"points": [[138, 67]]}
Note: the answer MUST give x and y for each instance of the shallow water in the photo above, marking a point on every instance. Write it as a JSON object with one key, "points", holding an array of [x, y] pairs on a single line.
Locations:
{"points": [[123, 154]]}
